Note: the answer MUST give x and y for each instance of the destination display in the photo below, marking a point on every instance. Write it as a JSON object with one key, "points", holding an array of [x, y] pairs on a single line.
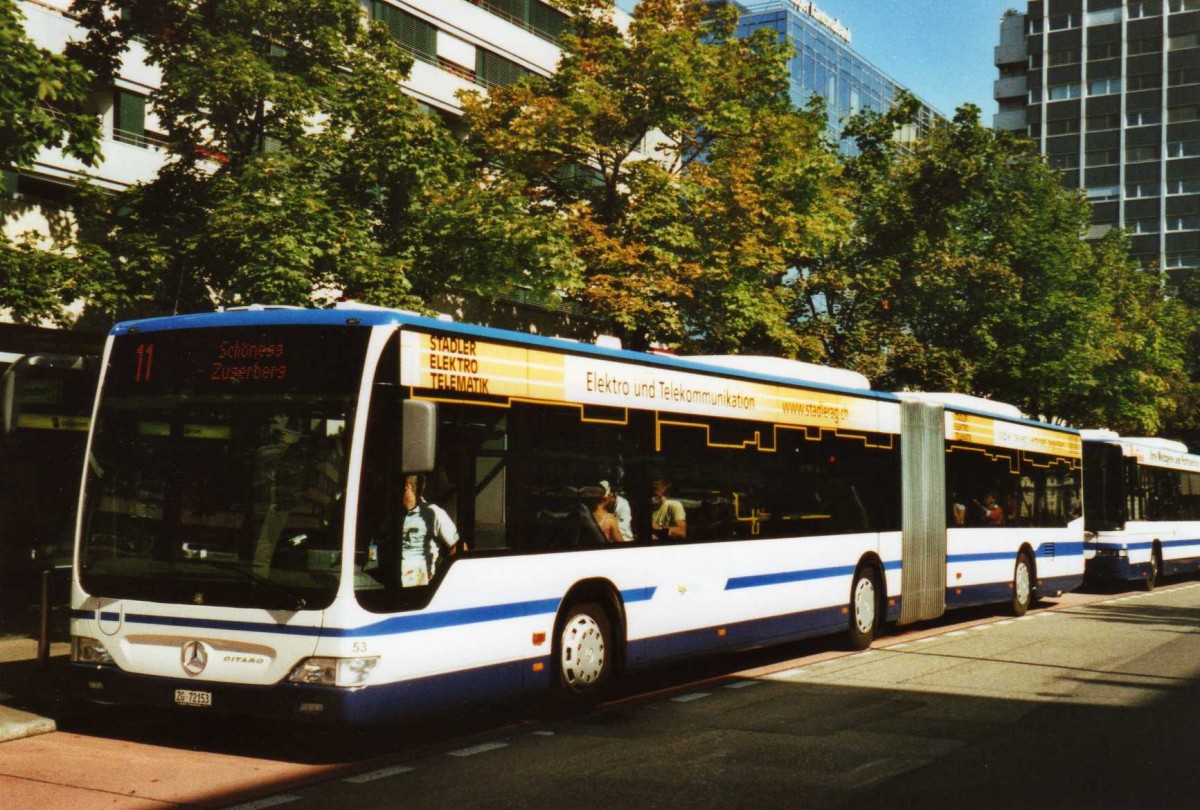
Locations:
{"points": [[282, 358], [457, 365], [984, 430]]}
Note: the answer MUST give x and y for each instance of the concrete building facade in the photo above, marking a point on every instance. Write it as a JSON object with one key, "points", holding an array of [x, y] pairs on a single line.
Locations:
{"points": [[1110, 92]]}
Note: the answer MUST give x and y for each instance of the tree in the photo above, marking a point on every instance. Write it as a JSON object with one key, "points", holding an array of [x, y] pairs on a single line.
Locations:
{"points": [[296, 164], [688, 245], [43, 103], [966, 272]]}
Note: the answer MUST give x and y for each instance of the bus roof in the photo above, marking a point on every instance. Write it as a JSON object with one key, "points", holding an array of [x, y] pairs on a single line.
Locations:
{"points": [[355, 315]]}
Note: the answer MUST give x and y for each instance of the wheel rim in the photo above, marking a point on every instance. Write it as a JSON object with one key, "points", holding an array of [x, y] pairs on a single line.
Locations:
{"points": [[583, 653], [864, 605], [1021, 580]]}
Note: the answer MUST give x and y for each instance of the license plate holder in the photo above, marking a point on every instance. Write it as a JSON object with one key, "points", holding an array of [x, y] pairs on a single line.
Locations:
{"points": [[193, 697]]}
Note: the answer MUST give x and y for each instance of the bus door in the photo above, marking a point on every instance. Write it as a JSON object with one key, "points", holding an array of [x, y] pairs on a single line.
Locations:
{"points": [[923, 515]]}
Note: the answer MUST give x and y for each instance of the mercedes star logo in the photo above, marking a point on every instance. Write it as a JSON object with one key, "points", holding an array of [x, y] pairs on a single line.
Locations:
{"points": [[194, 657]]}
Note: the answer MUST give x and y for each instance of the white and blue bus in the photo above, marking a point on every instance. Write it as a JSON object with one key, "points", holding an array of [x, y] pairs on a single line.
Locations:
{"points": [[246, 530], [1142, 515]]}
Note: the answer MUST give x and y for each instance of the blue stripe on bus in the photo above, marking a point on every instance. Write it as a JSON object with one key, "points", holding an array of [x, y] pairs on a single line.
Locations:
{"points": [[785, 577], [394, 625]]}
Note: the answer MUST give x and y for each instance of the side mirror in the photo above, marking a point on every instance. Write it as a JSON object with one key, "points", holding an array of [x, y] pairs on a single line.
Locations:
{"points": [[420, 436]]}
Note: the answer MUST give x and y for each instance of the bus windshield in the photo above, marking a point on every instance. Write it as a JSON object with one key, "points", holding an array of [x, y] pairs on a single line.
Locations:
{"points": [[217, 467]]}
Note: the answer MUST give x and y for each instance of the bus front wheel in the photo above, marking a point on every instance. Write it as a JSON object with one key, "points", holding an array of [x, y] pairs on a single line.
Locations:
{"points": [[864, 608], [584, 656], [1022, 585]]}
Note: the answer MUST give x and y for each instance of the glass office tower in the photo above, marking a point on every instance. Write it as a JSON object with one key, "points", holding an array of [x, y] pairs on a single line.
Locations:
{"points": [[824, 64]]}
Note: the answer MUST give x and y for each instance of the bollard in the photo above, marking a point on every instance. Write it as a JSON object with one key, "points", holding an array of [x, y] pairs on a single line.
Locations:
{"points": [[43, 651]]}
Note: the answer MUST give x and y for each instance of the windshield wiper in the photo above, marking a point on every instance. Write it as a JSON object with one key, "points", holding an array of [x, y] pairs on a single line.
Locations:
{"points": [[298, 601]]}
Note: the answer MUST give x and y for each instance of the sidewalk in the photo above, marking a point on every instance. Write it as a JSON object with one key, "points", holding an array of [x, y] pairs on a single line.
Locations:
{"points": [[32, 693]]}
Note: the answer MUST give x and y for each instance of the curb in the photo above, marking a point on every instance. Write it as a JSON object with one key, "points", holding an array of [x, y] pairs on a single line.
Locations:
{"points": [[16, 724]]}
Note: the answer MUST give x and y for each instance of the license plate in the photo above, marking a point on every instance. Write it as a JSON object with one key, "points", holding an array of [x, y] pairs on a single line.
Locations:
{"points": [[191, 697]]}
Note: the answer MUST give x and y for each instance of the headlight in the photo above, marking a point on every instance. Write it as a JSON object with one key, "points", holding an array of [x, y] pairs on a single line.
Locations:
{"points": [[333, 671], [86, 650]]}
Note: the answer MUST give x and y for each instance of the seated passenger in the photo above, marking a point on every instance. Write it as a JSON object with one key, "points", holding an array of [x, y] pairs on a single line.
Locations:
{"points": [[668, 521]]}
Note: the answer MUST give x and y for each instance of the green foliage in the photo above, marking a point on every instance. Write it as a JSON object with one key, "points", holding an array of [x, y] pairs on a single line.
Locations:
{"points": [[297, 165], [42, 98], [967, 272], [687, 246]]}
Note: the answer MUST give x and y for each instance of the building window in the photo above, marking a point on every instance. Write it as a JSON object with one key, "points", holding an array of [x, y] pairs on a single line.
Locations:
{"points": [[129, 118], [1143, 118], [1104, 87], [1102, 157], [1033, 25], [1145, 45], [1191, 222], [1185, 5], [1182, 41], [1141, 154], [1104, 50], [1062, 92], [1145, 8], [1135, 190], [1180, 76], [1033, 130], [1184, 185], [1179, 115], [1143, 225], [1068, 56], [1035, 61], [1143, 81], [1035, 95], [1096, 123], [1065, 127], [1105, 16], [532, 15], [1062, 22], [1069, 160], [1178, 261], [1104, 193], [494, 70], [1181, 149], [411, 33]]}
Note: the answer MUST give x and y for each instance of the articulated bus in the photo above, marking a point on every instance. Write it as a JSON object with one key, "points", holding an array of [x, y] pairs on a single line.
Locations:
{"points": [[1142, 516], [356, 514]]}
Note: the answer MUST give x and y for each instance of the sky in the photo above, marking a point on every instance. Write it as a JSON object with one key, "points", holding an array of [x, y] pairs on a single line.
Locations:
{"points": [[941, 50]]}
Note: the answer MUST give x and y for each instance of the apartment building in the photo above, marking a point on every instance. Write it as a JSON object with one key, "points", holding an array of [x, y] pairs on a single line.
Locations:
{"points": [[1110, 92]]}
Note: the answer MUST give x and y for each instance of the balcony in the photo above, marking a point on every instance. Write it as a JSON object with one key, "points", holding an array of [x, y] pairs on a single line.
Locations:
{"points": [[1011, 87], [1009, 120], [1011, 53]]}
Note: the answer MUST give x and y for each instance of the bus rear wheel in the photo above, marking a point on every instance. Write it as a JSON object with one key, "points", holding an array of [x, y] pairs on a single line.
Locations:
{"points": [[584, 655], [864, 608], [1022, 585]]}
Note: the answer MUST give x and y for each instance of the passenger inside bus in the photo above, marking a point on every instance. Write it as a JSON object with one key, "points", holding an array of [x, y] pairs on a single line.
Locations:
{"points": [[668, 521]]}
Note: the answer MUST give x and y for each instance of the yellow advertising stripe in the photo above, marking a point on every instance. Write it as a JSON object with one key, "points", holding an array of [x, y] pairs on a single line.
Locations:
{"points": [[47, 421]]}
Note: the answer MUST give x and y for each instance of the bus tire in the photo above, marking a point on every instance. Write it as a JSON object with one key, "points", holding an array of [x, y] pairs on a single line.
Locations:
{"points": [[1151, 580], [1022, 584], [583, 652], [864, 607]]}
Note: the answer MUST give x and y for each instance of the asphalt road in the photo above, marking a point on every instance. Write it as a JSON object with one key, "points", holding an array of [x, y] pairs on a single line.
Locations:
{"points": [[1090, 702]]}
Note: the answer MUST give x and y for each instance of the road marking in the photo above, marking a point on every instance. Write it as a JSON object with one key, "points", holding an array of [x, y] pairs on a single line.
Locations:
{"points": [[1004, 621], [983, 627], [482, 748], [382, 773], [259, 804], [898, 646], [927, 639], [741, 684], [542, 733], [691, 697], [786, 673], [957, 633]]}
